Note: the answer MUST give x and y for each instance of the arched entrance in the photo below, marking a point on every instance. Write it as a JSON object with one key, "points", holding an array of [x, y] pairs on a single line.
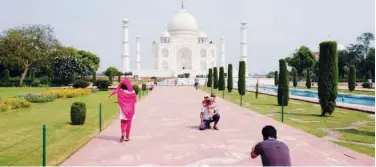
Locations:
{"points": [[184, 59]]}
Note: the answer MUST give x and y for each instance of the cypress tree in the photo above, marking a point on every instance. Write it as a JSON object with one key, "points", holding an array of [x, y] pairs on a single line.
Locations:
{"points": [[229, 78], [294, 77], [276, 78], [283, 85], [221, 81], [210, 77], [328, 76], [241, 80], [6, 75], [352, 78], [308, 82], [215, 77], [257, 85]]}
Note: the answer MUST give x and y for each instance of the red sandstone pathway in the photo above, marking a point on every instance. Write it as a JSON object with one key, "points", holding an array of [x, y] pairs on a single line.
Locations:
{"points": [[165, 133]]}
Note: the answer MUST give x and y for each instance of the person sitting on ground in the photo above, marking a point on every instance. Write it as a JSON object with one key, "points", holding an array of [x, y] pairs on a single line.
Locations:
{"points": [[206, 119], [272, 151]]}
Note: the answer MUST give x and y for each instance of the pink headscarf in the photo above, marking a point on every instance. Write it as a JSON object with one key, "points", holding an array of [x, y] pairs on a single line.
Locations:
{"points": [[126, 99]]}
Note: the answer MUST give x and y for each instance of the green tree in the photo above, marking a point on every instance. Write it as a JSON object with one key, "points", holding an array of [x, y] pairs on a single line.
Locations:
{"points": [[257, 91], [94, 77], [365, 39], [229, 78], [215, 77], [28, 45], [221, 82], [6, 75], [119, 77], [308, 82], [90, 59], [210, 78], [111, 77], [283, 85], [241, 80], [66, 66], [301, 60], [328, 77], [352, 78], [294, 77], [276, 78], [111, 70], [370, 62]]}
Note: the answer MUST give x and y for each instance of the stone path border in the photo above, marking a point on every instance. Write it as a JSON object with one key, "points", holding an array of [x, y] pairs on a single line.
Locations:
{"points": [[165, 133]]}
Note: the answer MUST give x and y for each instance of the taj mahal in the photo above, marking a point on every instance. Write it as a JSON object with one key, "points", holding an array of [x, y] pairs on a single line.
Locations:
{"points": [[181, 48]]}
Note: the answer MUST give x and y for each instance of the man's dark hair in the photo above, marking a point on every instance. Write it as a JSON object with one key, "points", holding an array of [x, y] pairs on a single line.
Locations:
{"points": [[269, 132], [123, 87], [212, 95]]}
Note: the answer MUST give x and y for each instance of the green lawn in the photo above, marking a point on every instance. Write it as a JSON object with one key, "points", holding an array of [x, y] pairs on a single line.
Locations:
{"points": [[343, 91], [305, 116], [21, 130], [13, 91]]}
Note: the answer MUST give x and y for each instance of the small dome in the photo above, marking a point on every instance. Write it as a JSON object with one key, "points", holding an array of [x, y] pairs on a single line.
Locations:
{"points": [[165, 34], [202, 34], [125, 20], [182, 21]]}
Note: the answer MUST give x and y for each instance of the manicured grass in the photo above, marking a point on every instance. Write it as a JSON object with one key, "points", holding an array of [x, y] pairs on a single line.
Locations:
{"points": [[21, 132], [305, 116], [343, 91]]}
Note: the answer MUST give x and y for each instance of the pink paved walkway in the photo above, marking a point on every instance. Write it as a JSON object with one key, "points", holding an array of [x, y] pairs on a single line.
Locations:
{"points": [[165, 133]]}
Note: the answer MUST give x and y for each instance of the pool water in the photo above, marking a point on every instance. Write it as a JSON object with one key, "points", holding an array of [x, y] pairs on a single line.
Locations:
{"points": [[344, 98]]}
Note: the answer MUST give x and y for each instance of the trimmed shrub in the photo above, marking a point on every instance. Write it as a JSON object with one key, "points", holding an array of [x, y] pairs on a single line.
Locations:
{"points": [[12, 82], [4, 107], [27, 81], [276, 78], [283, 85], [210, 78], [102, 85], [78, 113], [328, 77], [308, 82], [136, 88], [257, 85], [221, 81], [81, 84], [229, 78], [37, 98], [241, 80], [6, 75], [352, 78], [143, 87], [35, 83], [15, 103], [294, 77], [215, 77], [45, 80], [366, 85]]}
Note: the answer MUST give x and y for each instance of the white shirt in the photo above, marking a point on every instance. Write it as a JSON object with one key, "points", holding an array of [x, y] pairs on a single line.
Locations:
{"points": [[205, 113]]}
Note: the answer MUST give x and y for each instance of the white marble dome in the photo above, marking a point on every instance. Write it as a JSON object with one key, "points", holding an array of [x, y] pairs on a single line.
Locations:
{"points": [[165, 34], [182, 22], [202, 34]]}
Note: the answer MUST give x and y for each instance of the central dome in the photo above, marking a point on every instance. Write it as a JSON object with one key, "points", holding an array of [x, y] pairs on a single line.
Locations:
{"points": [[182, 22]]}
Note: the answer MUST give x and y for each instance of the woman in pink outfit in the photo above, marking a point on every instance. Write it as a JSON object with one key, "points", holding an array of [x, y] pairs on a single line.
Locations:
{"points": [[127, 99]]}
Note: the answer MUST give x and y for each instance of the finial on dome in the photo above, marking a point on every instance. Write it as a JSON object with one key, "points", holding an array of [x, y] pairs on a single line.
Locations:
{"points": [[125, 20]]}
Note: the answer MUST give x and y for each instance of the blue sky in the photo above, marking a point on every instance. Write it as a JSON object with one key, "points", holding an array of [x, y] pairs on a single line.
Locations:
{"points": [[275, 27]]}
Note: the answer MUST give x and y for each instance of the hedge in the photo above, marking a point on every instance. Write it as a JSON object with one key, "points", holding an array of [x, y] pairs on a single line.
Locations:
{"points": [[81, 84], [210, 78], [102, 84], [328, 77], [241, 80], [276, 78]]}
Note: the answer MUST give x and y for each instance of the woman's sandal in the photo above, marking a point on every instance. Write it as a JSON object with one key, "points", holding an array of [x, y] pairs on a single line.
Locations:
{"points": [[126, 140], [121, 138]]}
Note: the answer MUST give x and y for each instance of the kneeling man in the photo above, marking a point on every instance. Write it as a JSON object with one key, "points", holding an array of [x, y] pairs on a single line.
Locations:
{"points": [[208, 115]]}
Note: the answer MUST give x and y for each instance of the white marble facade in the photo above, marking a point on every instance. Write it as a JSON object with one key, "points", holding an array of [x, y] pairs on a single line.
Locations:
{"points": [[182, 48]]}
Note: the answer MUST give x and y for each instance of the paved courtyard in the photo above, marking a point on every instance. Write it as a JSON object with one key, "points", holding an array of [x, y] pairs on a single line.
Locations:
{"points": [[165, 132]]}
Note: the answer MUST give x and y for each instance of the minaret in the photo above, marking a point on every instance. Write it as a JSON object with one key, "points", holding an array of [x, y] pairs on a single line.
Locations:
{"points": [[125, 55], [223, 52], [138, 57], [243, 45]]}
